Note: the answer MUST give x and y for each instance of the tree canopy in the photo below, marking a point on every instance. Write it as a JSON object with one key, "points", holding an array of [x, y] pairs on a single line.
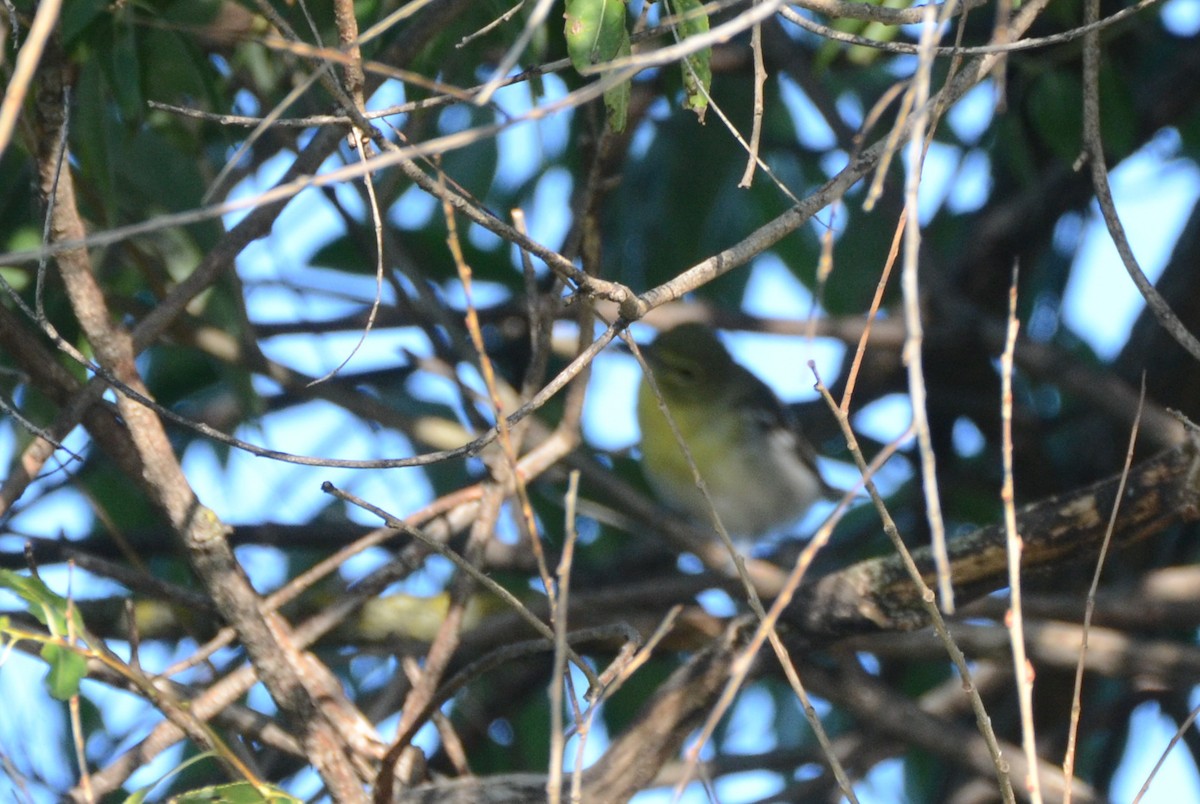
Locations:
{"points": [[311, 336]]}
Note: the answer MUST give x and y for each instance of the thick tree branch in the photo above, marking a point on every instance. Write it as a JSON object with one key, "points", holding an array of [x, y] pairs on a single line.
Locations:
{"points": [[877, 595], [312, 697]]}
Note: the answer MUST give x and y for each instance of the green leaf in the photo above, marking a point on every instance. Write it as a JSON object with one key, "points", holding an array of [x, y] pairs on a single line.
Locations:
{"points": [[139, 795], [124, 69], [67, 667], [620, 711], [343, 253], [191, 12], [235, 793], [176, 374], [1117, 108], [616, 99], [77, 16], [679, 202], [1056, 112], [697, 67], [96, 141], [596, 34], [473, 168], [595, 31], [859, 55], [116, 496], [48, 607]]}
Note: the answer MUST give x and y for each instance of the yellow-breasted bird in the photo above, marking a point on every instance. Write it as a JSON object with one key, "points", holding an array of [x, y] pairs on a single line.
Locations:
{"points": [[759, 469]]}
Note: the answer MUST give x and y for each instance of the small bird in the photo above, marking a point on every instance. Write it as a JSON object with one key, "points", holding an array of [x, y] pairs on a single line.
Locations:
{"points": [[759, 469]]}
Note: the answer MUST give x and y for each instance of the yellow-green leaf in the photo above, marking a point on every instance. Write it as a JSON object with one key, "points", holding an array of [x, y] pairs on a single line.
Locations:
{"points": [[235, 793], [47, 606], [67, 668]]}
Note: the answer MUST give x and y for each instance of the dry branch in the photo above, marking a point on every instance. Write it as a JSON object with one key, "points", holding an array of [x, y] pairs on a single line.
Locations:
{"points": [[634, 759], [878, 595]]}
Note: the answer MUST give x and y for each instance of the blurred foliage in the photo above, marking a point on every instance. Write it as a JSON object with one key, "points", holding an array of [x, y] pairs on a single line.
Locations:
{"points": [[649, 179]]}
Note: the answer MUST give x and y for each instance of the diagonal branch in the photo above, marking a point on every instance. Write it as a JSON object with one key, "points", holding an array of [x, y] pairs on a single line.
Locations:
{"points": [[1094, 148], [634, 758], [311, 697], [877, 595]]}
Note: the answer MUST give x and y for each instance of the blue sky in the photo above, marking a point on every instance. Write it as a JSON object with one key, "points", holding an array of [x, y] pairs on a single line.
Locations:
{"points": [[1155, 191]]}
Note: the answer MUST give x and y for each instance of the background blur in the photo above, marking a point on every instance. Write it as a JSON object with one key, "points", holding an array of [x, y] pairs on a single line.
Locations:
{"points": [[164, 106]]}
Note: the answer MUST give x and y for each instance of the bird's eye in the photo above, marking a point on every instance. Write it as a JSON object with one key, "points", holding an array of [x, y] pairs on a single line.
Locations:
{"points": [[685, 373]]}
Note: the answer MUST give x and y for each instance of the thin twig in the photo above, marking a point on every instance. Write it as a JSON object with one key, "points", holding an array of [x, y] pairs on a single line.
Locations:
{"points": [[928, 600], [994, 49], [558, 615], [505, 438], [532, 25], [765, 630], [742, 665], [751, 147], [499, 656], [77, 733], [477, 574], [1094, 148], [1179, 732], [1022, 668], [697, 478], [1090, 606], [503, 18], [869, 319], [918, 97], [24, 68], [760, 81], [377, 228]]}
